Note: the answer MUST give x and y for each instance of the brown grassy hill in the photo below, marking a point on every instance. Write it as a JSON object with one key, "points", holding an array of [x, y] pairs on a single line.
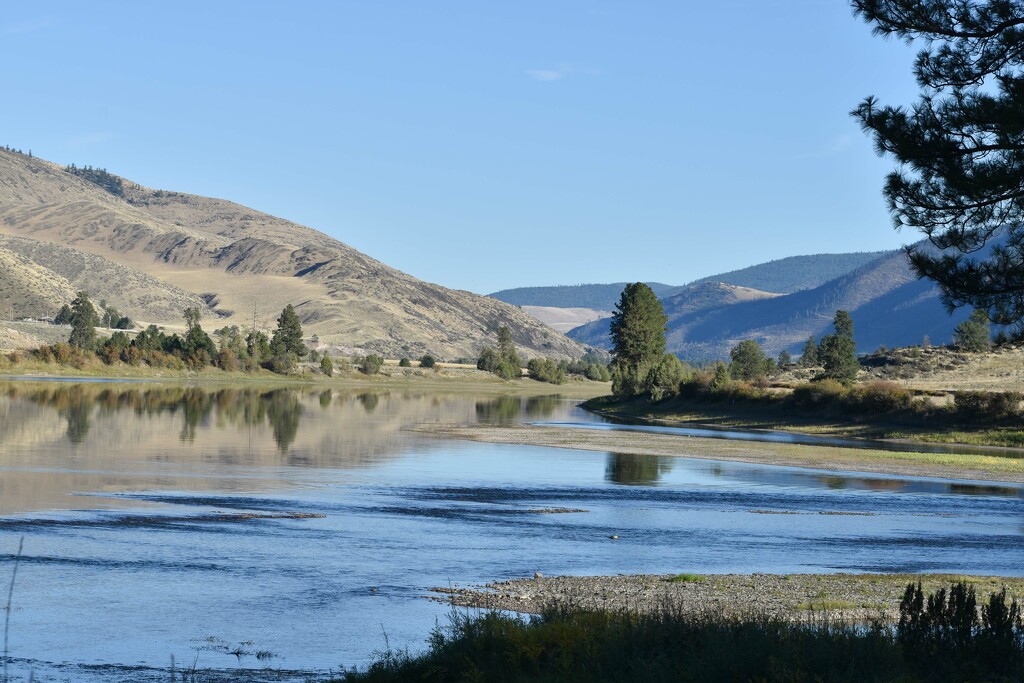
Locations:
{"points": [[238, 259], [29, 289]]}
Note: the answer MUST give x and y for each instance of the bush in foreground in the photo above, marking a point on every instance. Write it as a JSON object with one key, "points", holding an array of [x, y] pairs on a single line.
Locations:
{"points": [[937, 639]]}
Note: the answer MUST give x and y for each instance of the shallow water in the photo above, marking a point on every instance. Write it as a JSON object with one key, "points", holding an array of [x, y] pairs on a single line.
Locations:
{"points": [[169, 520]]}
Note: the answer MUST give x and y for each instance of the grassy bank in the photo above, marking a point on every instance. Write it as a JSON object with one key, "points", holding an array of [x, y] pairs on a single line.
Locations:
{"points": [[945, 637], [876, 410], [448, 377]]}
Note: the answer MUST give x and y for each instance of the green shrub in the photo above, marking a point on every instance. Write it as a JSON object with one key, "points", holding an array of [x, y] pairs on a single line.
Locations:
{"points": [[546, 370], [987, 404], [821, 393], [327, 366], [371, 364], [880, 397], [663, 380], [405, 363], [427, 361]]}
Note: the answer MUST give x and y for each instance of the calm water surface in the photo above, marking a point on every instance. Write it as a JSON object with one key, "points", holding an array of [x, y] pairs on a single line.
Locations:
{"points": [[308, 525]]}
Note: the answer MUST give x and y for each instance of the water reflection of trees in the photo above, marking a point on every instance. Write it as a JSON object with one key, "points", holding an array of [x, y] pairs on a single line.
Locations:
{"points": [[636, 470], [507, 409], [280, 408]]}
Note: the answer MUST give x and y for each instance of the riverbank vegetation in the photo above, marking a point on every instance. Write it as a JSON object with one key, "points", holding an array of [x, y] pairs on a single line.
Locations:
{"points": [[944, 636]]}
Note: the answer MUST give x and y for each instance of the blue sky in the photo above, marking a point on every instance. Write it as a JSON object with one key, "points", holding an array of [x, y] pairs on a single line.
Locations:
{"points": [[481, 145]]}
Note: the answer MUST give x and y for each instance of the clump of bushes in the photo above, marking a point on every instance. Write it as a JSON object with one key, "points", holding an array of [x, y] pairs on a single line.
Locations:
{"points": [[940, 637], [404, 363], [371, 364], [427, 361], [992, 404], [547, 370]]}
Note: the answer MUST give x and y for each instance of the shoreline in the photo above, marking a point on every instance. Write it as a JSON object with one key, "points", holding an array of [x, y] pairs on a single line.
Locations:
{"points": [[829, 458], [857, 597]]}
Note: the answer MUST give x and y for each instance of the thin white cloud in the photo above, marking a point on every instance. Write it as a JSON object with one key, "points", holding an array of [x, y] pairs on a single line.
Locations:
{"points": [[547, 74], [557, 73], [29, 26]]}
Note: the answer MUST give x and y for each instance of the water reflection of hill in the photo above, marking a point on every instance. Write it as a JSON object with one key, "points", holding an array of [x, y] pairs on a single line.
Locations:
{"points": [[58, 438]]}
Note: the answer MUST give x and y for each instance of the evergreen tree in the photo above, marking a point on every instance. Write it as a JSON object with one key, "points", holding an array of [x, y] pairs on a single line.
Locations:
{"points": [[973, 334], [287, 338], [63, 316], [785, 360], [638, 338], [960, 149], [638, 326], [748, 361], [838, 352], [197, 346], [83, 322], [809, 355]]}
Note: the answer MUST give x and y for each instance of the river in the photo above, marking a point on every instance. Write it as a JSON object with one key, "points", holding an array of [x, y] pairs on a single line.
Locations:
{"points": [[269, 533]]}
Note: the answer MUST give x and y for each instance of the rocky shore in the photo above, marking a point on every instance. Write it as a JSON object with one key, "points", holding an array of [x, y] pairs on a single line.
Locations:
{"points": [[790, 596]]}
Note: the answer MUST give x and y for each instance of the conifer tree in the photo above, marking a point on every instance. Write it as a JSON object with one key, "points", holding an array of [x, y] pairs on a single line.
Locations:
{"points": [[960, 147], [638, 338], [83, 322], [838, 352], [287, 339]]}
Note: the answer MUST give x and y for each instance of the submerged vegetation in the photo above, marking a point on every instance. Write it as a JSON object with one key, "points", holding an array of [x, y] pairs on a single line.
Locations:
{"points": [[944, 636]]}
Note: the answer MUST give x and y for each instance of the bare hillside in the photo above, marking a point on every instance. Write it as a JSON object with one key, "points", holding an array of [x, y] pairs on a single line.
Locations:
{"points": [[160, 249]]}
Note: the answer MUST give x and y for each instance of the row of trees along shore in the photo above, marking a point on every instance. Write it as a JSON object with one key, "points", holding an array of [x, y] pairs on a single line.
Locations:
{"points": [[642, 368], [505, 362], [233, 350]]}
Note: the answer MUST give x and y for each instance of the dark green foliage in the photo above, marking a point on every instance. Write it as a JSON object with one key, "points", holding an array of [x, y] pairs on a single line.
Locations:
{"points": [[993, 405], [748, 361], [258, 346], [63, 316], [371, 364], [287, 339], [427, 361], [593, 366], [785, 360], [197, 348], [663, 379], [83, 322], [547, 370], [638, 326], [960, 178], [404, 363], [638, 338], [939, 638], [99, 176], [112, 318], [327, 366], [838, 352], [944, 630], [503, 362], [974, 333], [809, 355]]}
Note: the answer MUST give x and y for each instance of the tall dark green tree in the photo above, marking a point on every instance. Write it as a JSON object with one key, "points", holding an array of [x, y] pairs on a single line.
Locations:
{"points": [[973, 334], [748, 361], [809, 355], [638, 326], [960, 147], [83, 322], [638, 338], [287, 339], [838, 352]]}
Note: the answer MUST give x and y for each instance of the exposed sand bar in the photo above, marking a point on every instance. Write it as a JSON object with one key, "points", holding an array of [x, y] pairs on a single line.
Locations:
{"points": [[793, 596], [939, 465]]}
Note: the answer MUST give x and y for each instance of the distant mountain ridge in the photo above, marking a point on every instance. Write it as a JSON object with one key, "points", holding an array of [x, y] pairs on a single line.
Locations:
{"points": [[152, 252], [889, 306], [782, 276]]}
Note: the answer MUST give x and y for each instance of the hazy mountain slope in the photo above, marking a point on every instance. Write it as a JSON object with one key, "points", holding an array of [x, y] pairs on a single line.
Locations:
{"points": [[564, 319], [690, 305], [795, 273], [888, 304], [602, 297], [240, 259]]}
